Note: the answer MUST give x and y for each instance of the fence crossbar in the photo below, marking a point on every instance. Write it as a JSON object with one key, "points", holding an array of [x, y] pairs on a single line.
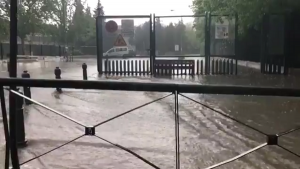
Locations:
{"points": [[48, 108], [130, 152], [129, 111], [180, 16], [152, 87], [122, 16], [224, 115], [53, 149], [288, 131], [177, 136], [237, 157], [295, 154]]}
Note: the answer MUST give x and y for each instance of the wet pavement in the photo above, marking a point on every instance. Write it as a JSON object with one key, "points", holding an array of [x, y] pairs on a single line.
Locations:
{"points": [[206, 138]]}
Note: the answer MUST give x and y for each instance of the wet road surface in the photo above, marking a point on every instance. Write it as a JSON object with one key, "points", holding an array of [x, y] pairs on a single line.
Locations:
{"points": [[206, 138]]}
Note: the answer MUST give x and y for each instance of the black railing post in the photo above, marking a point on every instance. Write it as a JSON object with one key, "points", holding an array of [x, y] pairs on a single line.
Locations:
{"points": [[177, 140], [264, 41], [286, 58], [205, 41], [72, 53], [99, 41], [30, 49], [236, 31], [84, 71], [154, 40], [13, 74], [1, 50], [57, 73], [209, 42], [8, 62], [41, 50], [26, 89], [151, 45], [262, 64], [59, 51], [20, 128]]}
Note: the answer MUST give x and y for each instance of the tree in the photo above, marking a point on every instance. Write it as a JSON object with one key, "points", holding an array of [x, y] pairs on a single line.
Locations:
{"points": [[4, 24], [193, 43], [60, 12], [250, 12], [90, 31], [166, 37], [142, 37], [31, 16], [159, 36], [78, 23], [4, 28]]}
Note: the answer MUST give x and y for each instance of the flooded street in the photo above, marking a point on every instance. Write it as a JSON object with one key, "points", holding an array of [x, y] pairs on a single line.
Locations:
{"points": [[206, 138]]}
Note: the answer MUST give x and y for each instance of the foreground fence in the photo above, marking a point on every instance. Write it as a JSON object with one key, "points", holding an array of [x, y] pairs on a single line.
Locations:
{"points": [[13, 135]]}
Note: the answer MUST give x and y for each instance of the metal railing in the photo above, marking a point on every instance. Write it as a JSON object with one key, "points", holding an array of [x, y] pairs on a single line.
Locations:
{"points": [[175, 90]]}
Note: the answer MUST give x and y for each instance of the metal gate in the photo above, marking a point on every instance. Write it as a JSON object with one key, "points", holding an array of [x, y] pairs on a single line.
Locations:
{"points": [[221, 50], [216, 56], [273, 50], [105, 64]]}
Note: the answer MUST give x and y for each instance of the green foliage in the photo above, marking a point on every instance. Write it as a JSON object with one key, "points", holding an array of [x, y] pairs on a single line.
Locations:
{"points": [[66, 21], [250, 12], [31, 16], [4, 29]]}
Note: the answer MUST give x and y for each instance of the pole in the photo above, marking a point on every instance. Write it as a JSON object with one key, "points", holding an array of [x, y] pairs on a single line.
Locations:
{"points": [[64, 21], [152, 44], [99, 39], [209, 42], [181, 37], [1, 50], [13, 74], [236, 42]]}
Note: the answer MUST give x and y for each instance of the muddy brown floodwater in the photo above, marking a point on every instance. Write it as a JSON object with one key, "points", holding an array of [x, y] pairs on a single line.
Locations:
{"points": [[206, 137]]}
